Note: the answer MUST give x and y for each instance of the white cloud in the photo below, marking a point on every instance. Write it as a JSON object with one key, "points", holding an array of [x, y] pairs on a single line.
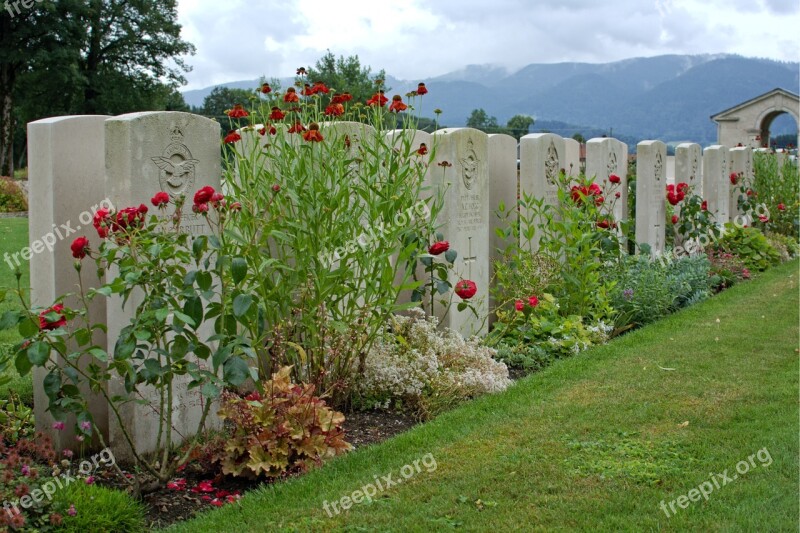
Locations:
{"points": [[416, 39]]}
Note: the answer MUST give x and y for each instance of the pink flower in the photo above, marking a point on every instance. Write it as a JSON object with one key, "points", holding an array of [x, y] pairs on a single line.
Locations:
{"points": [[86, 426], [533, 301], [72, 511], [68, 453], [90, 480], [58, 426]]}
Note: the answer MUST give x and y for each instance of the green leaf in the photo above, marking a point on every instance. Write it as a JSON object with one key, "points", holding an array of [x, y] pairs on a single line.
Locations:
{"points": [[238, 269], [99, 354], [450, 256], [28, 328], [209, 390], [162, 314], [38, 353], [241, 305], [52, 384], [10, 319], [22, 363], [204, 280], [186, 319], [236, 371], [194, 308]]}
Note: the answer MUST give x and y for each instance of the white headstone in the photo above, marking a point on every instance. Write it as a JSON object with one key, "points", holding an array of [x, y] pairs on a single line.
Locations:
{"points": [[572, 157], [716, 182], [651, 180], [503, 189], [541, 159], [137, 148], [461, 172], [688, 166], [742, 165], [66, 173], [605, 157]]}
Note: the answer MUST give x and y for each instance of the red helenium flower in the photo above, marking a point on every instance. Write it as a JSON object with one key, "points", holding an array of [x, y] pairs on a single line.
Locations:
{"points": [[466, 289], [378, 99], [232, 137], [291, 96], [79, 247], [335, 110], [313, 134], [397, 104], [320, 87], [276, 114], [237, 112], [266, 89], [421, 89], [297, 127], [45, 324], [439, 247], [423, 149]]}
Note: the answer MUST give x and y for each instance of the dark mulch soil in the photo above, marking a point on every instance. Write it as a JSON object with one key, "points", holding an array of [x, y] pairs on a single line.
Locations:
{"points": [[167, 506]]}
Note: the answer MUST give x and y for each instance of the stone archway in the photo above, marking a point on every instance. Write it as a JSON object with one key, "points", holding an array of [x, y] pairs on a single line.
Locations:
{"points": [[749, 123]]}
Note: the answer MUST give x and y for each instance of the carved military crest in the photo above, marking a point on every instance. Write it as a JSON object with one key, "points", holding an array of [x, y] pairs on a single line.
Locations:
{"points": [[176, 166], [611, 166], [551, 164], [469, 165]]}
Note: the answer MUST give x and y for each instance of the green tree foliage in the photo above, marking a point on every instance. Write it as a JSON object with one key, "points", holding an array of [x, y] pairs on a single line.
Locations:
{"points": [[87, 57], [223, 98], [345, 74], [480, 120], [519, 125]]}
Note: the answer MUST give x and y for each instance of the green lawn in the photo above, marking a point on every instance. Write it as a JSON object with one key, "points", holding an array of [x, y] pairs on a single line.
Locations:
{"points": [[595, 442], [13, 238]]}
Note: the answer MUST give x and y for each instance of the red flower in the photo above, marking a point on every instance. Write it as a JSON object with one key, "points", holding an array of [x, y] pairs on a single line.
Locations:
{"points": [[378, 99], [672, 198], [301, 71], [617, 195], [237, 112], [421, 89], [781, 207], [704, 206], [204, 195], [204, 486], [266, 89], [603, 224], [291, 96], [518, 305], [397, 104], [80, 247], [423, 149], [320, 87], [46, 324], [102, 222], [200, 208], [341, 98], [297, 127], [232, 137], [335, 110], [276, 114], [217, 199], [177, 484], [130, 217], [675, 219], [439, 247], [466, 289], [252, 397], [236, 206], [263, 131], [613, 178], [763, 218], [276, 188], [313, 134], [533, 301], [734, 178], [683, 188], [161, 199]]}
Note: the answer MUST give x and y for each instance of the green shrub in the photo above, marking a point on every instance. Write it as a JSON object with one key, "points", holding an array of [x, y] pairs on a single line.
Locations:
{"points": [[726, 270], [12, 198], [539, 322], [750, 245], [777, 188], [99, 509], [527, 358], [788, 247]]}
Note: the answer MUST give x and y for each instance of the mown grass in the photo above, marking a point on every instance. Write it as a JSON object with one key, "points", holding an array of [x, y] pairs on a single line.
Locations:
{"points": [[595, 442], [13, 238]]}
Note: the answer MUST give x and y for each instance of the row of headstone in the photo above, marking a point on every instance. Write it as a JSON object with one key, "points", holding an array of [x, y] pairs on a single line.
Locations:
{"points": [[78, 162]]}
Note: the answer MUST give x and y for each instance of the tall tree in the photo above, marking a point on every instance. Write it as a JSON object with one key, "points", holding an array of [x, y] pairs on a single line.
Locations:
{"points": [[222, 98], [345, 74], [519, 125], [83, 57]]}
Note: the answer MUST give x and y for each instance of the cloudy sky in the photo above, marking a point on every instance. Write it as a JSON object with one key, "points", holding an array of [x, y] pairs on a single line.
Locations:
{"points": [[418, 39]]}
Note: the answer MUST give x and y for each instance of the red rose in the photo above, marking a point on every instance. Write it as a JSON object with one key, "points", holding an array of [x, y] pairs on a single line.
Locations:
{"points": [[683, 188], [672, 198], [200, 208], [518, 305], [781, 207], [734, 178], [603, 224], [203, 196], [674, 219], [439, 247], [160, 199], [704, 205], [617, 195], [130, 217], [102, 222], [613, 178], [466, 289], [80, 247], [533, 301], [46, 324], [594, 189], [749, 192]]}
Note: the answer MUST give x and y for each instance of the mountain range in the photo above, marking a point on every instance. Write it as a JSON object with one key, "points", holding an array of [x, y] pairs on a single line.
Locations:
{"points": [[668, 97]]}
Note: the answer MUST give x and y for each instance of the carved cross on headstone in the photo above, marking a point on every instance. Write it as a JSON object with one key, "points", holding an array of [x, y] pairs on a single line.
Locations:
{"points": [[469, 259]]}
